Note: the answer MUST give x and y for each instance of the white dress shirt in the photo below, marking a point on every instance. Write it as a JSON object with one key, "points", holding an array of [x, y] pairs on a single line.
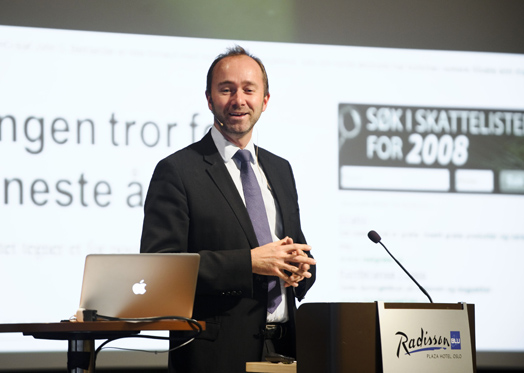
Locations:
{"points": [[227, 150]]}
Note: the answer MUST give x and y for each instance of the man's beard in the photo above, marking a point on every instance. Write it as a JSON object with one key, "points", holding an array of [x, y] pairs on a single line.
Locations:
{"points": [[229, 128]]}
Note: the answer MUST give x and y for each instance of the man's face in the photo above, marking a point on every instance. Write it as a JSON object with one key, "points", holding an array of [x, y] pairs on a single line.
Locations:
{"points": [[237, 96]]}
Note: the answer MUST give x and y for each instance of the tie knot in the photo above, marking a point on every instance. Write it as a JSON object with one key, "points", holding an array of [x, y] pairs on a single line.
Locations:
{"points": [[242, 155]]}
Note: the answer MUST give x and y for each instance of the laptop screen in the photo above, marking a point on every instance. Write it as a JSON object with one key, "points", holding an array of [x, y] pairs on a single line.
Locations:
{"points": [[140, 285]]}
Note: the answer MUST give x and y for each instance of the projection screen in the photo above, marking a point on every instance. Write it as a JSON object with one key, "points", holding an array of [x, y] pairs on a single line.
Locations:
{"points": [[426, 147]]}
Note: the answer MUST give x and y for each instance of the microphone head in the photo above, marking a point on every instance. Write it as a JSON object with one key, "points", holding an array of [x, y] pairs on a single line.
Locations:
{"points": [[374, 236]]}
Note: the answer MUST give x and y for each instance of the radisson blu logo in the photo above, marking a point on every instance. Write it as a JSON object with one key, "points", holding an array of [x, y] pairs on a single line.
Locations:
{"points": [[426, 342]]}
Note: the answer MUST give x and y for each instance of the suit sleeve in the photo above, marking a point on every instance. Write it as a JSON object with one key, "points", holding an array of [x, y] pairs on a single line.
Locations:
{"points": [[166, 219], [307, 283], [284, 185], [181, 214]]}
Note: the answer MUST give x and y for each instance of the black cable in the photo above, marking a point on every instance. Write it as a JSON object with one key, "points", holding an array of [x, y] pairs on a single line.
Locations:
{"points": [[100, 348], [195, 325]]}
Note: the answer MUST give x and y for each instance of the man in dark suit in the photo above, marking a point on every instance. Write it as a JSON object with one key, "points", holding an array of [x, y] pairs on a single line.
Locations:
{"points": [[195, 203]]}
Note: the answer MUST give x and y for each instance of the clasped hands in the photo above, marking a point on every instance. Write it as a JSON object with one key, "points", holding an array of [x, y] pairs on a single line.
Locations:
{"points": [[277, 258]]}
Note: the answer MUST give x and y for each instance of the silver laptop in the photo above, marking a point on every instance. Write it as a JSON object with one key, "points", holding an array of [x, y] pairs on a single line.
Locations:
{"points": [[140, 285]]}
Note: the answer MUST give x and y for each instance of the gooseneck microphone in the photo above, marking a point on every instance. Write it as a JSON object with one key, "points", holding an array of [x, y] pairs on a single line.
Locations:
{"points": [[374, 236]]}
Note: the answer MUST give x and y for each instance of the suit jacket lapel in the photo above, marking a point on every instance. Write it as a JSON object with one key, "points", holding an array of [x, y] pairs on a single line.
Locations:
{"points": [[278, 186], [222, 179]]}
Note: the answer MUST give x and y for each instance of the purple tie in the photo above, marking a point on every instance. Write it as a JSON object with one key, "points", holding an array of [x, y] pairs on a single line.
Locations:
{"points": [[257, 212]]}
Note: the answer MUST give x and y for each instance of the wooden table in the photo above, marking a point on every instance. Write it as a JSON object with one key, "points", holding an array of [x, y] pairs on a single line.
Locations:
{"points": [[81, 336]]}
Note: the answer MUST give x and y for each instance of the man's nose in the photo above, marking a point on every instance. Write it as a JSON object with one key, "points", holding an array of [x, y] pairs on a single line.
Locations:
{"points": [[238, 99]]}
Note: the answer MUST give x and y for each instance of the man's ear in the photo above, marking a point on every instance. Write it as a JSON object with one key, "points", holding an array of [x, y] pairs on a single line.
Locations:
{"points": [[209, 101], [266, 99]]}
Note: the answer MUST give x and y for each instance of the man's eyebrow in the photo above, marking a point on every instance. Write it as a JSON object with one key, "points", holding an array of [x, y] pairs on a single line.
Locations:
{"points": [[228, 82]]}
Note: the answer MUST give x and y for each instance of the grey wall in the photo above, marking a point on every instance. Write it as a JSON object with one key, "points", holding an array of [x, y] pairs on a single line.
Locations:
{"points": [[473, 25]]}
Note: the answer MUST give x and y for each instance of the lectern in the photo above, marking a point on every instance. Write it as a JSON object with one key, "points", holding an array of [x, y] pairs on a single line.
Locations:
{"points": [[345, 337]]}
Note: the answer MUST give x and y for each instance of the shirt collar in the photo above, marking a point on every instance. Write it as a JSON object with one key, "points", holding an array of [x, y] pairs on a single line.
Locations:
{"points": [[227, 149]]}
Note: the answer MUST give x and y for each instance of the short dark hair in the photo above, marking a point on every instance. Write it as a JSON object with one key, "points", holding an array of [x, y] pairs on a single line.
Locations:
{"points": [[237, 50]]}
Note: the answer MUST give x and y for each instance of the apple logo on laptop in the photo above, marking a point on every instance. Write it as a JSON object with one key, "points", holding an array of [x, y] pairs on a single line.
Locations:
{"points": [[139, 287]]}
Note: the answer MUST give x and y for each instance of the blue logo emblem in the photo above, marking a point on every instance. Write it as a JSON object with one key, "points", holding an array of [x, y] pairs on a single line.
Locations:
{"points": [[455, 340]]}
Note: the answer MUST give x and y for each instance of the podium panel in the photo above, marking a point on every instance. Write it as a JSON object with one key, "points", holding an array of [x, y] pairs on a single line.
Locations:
{"points": [[345, 337]]}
